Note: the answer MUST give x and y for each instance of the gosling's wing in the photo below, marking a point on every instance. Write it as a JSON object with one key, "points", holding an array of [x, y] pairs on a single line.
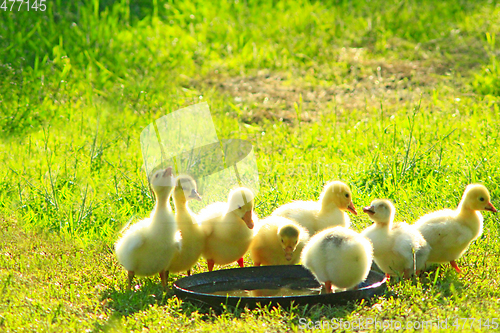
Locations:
{"points": [[210, 215], [403, 244], [436, 227], [133, 237], [178, 241]]}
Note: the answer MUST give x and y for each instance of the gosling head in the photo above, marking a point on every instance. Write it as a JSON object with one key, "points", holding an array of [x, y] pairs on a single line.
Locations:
{"points": [[477, 197], [186, 189], [162, 181], [338, 194], [241, 203], [381, 211], [289, 238]]}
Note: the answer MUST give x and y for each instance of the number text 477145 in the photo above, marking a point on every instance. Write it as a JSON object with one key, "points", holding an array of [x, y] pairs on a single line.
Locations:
{"points": [[23, 5]]}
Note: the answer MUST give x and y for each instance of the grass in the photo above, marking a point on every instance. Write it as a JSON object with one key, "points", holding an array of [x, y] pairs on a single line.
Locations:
{"points": [[397, 99]]}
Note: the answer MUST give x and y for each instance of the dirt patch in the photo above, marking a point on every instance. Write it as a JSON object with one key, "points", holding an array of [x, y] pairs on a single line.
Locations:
{"points": [[361, 84]]}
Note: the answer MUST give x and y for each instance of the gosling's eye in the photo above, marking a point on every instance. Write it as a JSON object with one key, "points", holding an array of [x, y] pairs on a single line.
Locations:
{"points": [[282, 241], [239, 207], [481, 199], [347, 195]]}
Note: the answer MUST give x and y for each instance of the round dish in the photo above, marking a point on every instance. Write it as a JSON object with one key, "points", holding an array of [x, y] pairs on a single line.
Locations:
{"points": [[269, 285]]}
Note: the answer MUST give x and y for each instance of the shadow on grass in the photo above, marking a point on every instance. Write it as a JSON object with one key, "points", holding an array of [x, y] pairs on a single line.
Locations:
{"points": [[292, 313], [127, 302], [149, 292], [310, 311], [443, 279]]}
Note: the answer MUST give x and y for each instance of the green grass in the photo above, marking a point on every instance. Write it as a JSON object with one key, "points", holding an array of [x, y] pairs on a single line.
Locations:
{"points": [[397, 99]]}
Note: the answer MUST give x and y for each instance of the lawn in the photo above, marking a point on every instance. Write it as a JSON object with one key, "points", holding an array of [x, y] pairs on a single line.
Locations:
{"points": [[399, 99]]}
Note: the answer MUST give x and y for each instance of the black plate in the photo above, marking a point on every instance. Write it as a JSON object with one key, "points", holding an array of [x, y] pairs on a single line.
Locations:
{"points": [[198, 288]]}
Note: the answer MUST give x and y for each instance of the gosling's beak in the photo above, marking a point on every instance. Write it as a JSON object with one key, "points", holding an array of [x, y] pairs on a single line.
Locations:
{"points": [[288, 253], [195, 195], [164, 177], [167, 172], [351, 208], [490, 207], [248, 219], [369, 210]]}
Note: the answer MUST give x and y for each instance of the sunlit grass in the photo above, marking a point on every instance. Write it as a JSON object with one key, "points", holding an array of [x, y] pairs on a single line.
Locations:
{"points": [[80, 82]]}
